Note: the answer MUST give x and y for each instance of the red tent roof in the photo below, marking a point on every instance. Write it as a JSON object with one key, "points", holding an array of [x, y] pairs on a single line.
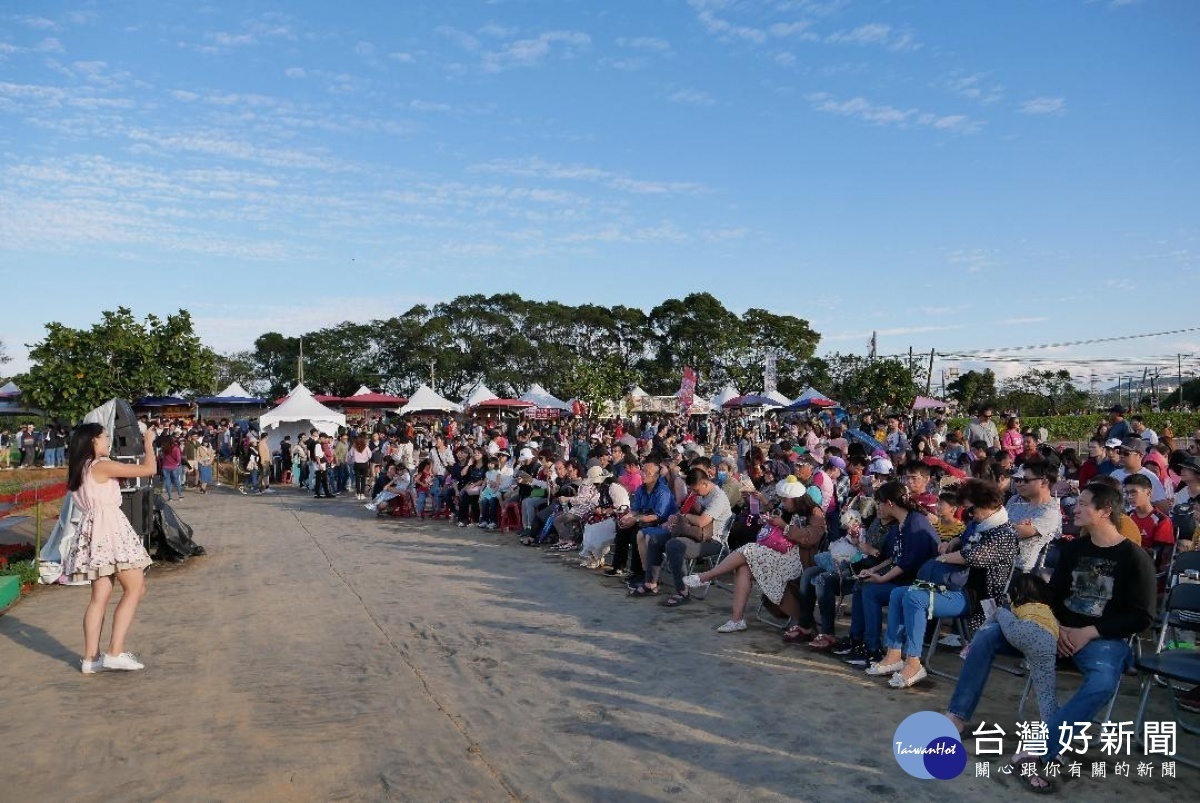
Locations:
{"points": [[371, 399], [504, 403]]}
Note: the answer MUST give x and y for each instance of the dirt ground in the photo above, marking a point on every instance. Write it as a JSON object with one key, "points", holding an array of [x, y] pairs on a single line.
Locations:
{"points": [[318, 653]]}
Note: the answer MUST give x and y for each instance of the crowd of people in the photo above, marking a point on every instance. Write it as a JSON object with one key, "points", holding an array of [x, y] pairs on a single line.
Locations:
{"points": [[1039, 551]]}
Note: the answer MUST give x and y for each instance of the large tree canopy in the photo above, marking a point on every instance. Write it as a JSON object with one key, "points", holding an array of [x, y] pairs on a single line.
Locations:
{"points": [[75, 370]]}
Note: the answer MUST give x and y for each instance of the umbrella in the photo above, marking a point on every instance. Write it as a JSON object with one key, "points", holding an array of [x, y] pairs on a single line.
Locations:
{"points": [[937, 462], [865, 439], [752, 400], [808, 404]]}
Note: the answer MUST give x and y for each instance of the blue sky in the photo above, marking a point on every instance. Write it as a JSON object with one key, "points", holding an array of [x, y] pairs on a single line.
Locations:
{"points": [[955, 175]]}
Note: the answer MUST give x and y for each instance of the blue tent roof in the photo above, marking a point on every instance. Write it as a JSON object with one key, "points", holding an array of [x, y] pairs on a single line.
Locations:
{"points": [[161, 401], [221, 401]]}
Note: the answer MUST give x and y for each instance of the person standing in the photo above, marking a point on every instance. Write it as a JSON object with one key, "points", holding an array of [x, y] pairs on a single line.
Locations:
{"points": [[264, 461], [106, 545], [172, 466], [359, 456], [321, 470]]}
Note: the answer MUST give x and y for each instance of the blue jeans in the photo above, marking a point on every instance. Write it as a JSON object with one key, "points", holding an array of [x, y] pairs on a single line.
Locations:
{"points": [[173, 477], [1101, 661], [819, 588], [908, 616], [489, 510], [252, 480], [866, 612]]}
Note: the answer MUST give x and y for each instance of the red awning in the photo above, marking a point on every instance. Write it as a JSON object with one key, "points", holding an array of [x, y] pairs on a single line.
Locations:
{"points": [[502, 404]]}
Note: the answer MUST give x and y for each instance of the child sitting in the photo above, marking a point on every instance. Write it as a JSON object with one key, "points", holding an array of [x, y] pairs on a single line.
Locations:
{"points": [[948, 524], [400, 484], [1031, 627]]}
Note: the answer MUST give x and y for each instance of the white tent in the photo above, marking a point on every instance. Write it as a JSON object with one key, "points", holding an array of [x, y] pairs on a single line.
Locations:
{"points": [[425, 400], [235, 391], [811, 394], [779, 397], [638, 393], [727, 393], [363, 390], [299, 413], [10, 389], [479, 393], [542, 398]]}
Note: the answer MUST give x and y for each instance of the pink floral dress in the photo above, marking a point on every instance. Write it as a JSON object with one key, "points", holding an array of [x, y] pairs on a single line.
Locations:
{"points": [[105, 542]]}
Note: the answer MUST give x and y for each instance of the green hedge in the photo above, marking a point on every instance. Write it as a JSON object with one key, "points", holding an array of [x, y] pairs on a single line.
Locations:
{"points": [[1082, 427], [24, 569]]}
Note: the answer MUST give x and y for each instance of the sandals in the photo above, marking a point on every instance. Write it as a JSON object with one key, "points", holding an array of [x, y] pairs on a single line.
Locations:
{"points": [[1030, 781], [796, 633], [676, 600], [643, 591]]}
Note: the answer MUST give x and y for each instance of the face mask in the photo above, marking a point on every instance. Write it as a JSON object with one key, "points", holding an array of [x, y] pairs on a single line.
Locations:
{"points": [[721, 477]]}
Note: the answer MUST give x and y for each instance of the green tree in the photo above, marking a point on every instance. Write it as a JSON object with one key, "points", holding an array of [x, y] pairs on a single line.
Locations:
{"points": [[973, 388], [235, 366], [277, 358], [789, 337], [75, 370], [1042, 392], [882, 384]]}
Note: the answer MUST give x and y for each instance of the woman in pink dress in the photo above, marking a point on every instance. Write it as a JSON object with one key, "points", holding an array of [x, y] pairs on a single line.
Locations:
{"points": [[106, 545]]}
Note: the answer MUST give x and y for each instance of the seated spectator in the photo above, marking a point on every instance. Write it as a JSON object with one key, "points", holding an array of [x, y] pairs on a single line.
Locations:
{"points": [[400, 482], [489, 497], [652, 504], [802, 523], [1157, 531], [601, 529], [576, 508], [820, 585], [1131, 452], [949, 523], [470, 487], [1034, 513], [696, 534], [1186, 507], [918, 476], [911, 541], [1102, 592], [987, 550]]}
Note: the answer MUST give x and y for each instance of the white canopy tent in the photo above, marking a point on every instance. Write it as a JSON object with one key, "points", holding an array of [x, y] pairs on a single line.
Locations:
{"points": [[479, 393], [298, 414], [811, 394], [727, 393], [235, 391], [543, 399], [10, 389], [363, 390], [779, 397], [426, 400], [638, 393]]}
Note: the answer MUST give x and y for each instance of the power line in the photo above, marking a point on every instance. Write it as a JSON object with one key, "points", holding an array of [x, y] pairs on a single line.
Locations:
{"points": [[1077, 342]]}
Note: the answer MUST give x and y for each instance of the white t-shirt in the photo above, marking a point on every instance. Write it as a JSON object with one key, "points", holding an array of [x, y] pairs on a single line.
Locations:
{"points": [[1157, 493], [1150, 436]]}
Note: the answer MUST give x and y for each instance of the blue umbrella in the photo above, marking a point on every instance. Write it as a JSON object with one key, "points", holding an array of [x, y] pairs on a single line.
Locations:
{"points": [[865, 439]]}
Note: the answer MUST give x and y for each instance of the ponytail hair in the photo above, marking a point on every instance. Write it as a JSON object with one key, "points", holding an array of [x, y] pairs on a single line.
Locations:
{"points": [[80, 452]]}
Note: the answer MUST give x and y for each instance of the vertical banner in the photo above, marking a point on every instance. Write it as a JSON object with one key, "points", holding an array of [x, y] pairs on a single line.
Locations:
{"points": [[769, 377], [687, 391]]}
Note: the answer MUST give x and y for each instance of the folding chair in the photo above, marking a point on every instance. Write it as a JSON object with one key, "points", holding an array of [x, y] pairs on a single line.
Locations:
{"points": [[691, 564], [1182, 611], [964, 633]]}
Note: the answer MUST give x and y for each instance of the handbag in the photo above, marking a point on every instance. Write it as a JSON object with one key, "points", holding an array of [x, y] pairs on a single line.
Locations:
{"points": [[943, 576], [773, 538]]}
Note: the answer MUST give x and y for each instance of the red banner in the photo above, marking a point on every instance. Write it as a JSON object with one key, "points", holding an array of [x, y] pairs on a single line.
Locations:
{"points": [[687, 391]]}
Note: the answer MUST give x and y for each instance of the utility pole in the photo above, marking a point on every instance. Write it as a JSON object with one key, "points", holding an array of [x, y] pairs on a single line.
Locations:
{"points": [[300, 364], [432, 364], [912, 366], [1179, 376], [874, 345], [929, 376]]}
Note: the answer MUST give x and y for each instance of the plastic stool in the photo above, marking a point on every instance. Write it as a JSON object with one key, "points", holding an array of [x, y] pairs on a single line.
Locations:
{"points": [[402, 506], [510, 516]]}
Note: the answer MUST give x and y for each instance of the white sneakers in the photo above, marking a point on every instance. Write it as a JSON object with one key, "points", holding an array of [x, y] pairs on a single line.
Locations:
{"points": [[370, 507], [732, 626], [125, 660]]}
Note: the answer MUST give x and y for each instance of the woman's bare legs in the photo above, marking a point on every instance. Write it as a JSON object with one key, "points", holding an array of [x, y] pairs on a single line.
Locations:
{"points": [[742, 583], [133, 585], [93, 617], [731, 563]]}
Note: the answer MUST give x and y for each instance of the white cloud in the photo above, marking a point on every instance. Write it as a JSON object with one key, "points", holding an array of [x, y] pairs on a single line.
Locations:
{"points": [[649, 43], [900, 330], [528, 52], [403, 58], [884, 115], [364, 48], [460, 38], [538, 168], [49, 45], [498, 31], [1043, 105], [37, 23], [425, 106], [691, 97], [876, 33], [974, 87], [295, 72]]}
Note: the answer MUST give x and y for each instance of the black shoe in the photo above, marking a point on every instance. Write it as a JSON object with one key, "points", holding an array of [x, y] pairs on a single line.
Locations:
{"points": [[612, 571], [865, 657], [635, 580], [845, 646]]}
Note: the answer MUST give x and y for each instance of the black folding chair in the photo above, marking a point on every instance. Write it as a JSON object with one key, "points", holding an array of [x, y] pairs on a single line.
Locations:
{"points": [[1183, 665]]}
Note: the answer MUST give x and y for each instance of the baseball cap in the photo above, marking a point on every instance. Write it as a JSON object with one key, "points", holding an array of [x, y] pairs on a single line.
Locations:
{"points": [[1113, 443], [1134, 444]]}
